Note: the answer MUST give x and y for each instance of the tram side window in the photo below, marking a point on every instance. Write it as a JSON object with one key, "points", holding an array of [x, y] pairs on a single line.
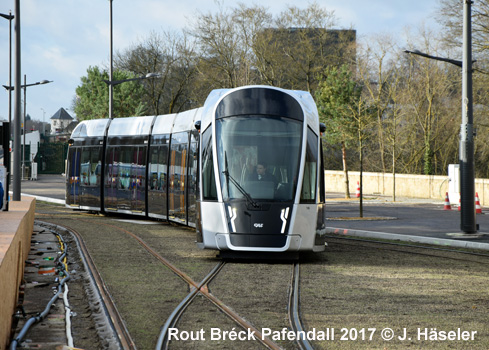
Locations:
{"points": [[124, 174], [153, 169], [208, 178], [112, 166], [90, 166], [85, 167], [308, 192], [158, 163], [95, 167]]}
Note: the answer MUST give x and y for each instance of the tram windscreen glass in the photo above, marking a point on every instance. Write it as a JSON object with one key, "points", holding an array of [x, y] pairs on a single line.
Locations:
{"points": [[246, 145]]}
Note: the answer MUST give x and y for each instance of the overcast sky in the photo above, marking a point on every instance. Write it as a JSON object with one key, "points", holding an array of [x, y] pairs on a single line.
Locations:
{"points": [[60, 39]]}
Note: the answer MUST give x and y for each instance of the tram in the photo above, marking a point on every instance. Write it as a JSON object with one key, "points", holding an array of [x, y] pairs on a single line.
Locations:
{"points": [[245, 169]]}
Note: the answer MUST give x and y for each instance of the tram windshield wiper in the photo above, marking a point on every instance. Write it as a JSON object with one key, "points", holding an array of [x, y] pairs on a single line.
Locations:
{"points": [[249, 199]]}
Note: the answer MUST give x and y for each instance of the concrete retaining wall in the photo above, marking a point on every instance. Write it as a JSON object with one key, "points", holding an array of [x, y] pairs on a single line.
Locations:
{"points": [[413, 186], [16, 227]]}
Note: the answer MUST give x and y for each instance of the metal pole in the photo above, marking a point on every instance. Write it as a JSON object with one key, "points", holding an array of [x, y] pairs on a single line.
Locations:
{"points": [[17, 76], [467, 173], [23, 127], [10, 71], [43, 125], [8, 164], [111, 88]]}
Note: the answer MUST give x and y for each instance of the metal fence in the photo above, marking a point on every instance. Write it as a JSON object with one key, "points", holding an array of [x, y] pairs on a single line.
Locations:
{"points": [[51, 158]]}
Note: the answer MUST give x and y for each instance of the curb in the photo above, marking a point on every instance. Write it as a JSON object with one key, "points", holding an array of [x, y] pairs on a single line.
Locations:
{"points": [[45, 199], [408, 238]]}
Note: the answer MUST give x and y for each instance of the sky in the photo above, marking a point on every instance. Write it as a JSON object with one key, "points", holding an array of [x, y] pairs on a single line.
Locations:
{"points": [[60, 39]]}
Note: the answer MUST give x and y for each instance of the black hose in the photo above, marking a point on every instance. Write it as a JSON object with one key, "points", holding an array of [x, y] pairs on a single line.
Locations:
{"points": [[43, 314]]}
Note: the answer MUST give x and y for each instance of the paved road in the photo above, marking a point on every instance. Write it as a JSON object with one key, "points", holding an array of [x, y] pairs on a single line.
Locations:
{"points": [[50, 186], [417, 218]]}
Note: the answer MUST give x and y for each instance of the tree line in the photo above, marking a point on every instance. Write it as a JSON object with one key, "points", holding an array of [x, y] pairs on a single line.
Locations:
{"points": [[385, 110]]}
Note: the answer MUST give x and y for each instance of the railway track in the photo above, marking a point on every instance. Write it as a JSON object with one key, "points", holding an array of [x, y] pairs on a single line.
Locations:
{"points": [[420, 249], [118, 325], [407, 286], [114, 319]]}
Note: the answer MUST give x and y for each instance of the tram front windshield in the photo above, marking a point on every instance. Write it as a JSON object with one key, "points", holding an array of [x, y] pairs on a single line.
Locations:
{"points": [[259, 157]]}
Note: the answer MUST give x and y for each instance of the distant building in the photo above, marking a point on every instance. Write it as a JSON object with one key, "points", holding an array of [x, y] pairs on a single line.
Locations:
{"points": [[60, 121]]}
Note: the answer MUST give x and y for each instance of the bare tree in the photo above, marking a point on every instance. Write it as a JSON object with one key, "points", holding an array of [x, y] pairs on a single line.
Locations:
{"points": [[308, 44], [222, 48], [376, 70], [431, 86], [171, 55]]}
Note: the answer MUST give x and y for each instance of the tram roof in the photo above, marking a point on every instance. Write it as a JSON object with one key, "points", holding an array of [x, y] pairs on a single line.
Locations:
{"points": [[90, 128], [304, 98], [172, 123], [130, 126]]}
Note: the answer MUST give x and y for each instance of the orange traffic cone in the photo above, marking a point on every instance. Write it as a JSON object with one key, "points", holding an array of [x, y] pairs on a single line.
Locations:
{"points": [[447, 205], [357, 194], [478, 208]]}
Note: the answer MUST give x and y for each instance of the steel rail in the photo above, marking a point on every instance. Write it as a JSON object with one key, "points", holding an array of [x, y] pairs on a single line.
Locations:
{"points": [[168, 264], [163, 340], [294, 314], [223, 307], [114, 317], [408, 245]]}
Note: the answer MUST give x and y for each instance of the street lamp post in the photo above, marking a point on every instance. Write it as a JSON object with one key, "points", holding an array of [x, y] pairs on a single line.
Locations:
{"points": [[466, 156], [111, 87], [23, 128], [112, 83], [468, 223], [9, 17], [117, 82], [25, 86], [16, 148], [43, 126]]}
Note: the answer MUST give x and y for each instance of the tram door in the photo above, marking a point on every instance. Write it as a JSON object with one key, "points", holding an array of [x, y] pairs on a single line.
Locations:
{"points": [[111, 179], [125, 180], [158, 177], [90, 175], [178, 177], [73, 177], [138, 179], [193, 162]]}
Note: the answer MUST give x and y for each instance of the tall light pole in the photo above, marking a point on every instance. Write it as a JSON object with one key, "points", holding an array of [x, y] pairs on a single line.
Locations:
{"points": [[117, 82], [16, 148], [10, 17], [466, 153], [468, 223], [24, 86], [111, 88], [43, 126], [111, 81]]}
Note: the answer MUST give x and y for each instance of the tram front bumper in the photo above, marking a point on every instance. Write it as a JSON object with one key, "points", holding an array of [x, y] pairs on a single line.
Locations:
{"points": [[247, 242]]}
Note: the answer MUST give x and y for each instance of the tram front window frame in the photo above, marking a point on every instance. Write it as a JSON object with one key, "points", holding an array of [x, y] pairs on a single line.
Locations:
{"points": [[245, 141]]}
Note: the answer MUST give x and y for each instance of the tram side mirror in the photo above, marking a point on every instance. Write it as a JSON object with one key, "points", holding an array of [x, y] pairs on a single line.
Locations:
{"points": [[322, 127], [71, 142], [197, 125]]}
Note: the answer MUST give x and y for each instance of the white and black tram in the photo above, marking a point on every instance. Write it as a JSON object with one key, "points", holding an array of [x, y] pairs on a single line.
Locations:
{"points": [[245, 169]]}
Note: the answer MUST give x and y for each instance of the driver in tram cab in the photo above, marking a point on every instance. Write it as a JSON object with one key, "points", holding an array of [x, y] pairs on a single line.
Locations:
{"points": [[261, 174]]}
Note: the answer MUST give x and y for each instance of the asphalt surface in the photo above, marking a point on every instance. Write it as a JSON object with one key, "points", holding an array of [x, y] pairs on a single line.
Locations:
{"points": [[425, 218], [406, 216]]}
